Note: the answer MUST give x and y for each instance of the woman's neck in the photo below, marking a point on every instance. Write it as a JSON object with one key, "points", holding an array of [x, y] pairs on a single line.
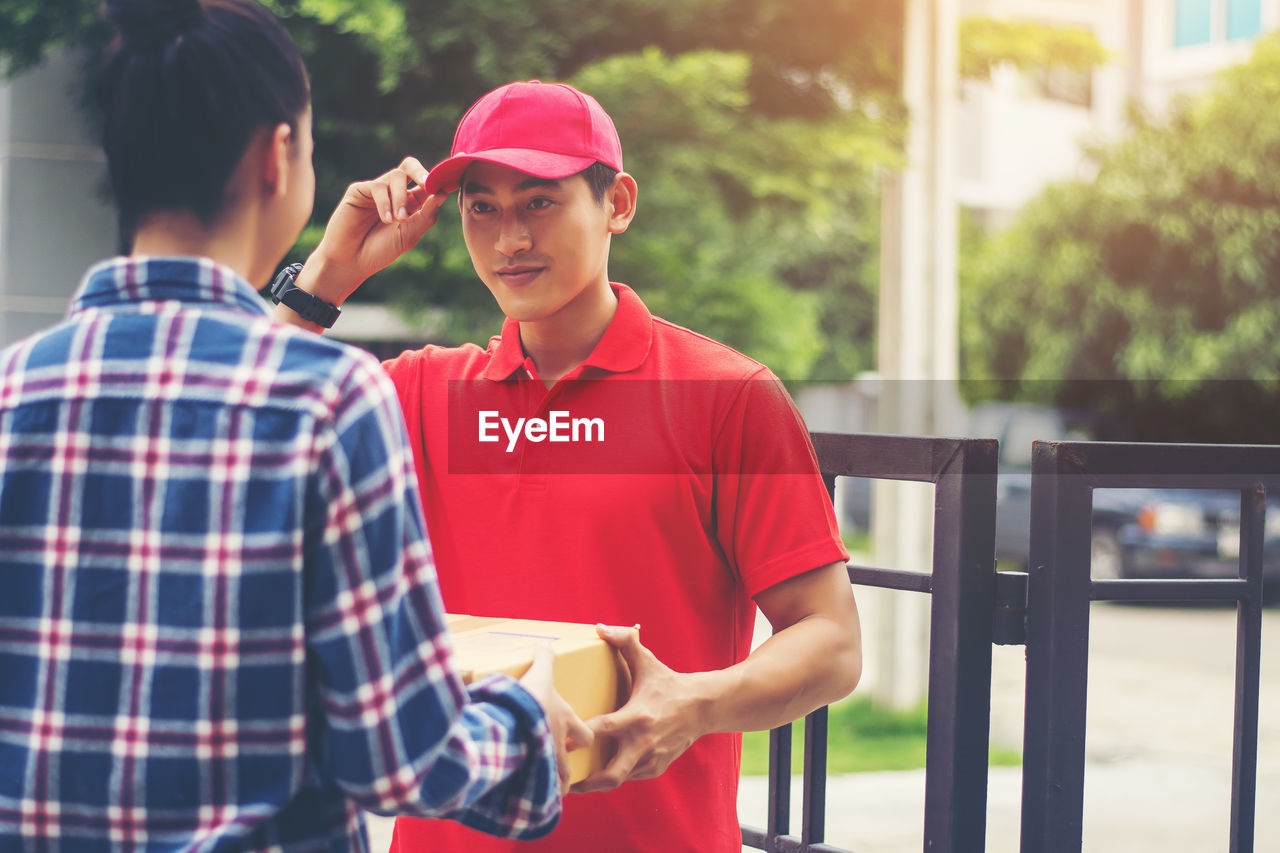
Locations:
{"points": [[182, 233]]}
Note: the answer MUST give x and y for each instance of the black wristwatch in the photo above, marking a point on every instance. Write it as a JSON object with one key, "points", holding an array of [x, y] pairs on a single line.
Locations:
{"points": [[310, 307]]}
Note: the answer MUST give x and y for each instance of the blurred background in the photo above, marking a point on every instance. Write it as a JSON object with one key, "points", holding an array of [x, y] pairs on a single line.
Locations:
{"points": [[1106, 164], [1018, 219]]}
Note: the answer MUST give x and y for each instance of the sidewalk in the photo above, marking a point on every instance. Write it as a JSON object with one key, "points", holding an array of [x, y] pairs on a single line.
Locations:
{"points": [[1141, 806]]}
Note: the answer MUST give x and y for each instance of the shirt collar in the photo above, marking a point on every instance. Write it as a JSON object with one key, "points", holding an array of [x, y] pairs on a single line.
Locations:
{"points": [[141, 278], [624, 346]]}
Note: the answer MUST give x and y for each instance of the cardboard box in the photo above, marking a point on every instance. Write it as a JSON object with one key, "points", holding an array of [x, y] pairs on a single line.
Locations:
{"points": [[589, 673]]}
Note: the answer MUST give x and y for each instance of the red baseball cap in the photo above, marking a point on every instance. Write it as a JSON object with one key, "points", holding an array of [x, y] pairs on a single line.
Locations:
{"points": [[547, 130]]}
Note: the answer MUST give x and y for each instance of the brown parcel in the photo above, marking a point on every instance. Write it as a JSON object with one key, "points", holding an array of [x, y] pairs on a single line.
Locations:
{"points": [[589, 673]]}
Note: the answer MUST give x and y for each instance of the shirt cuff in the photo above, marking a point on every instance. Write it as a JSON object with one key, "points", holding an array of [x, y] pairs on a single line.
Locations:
{"points": [[535, 787]]}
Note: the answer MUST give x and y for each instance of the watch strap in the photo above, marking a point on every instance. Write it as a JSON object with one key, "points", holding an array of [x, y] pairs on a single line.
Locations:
{"points": [[308, 306]]}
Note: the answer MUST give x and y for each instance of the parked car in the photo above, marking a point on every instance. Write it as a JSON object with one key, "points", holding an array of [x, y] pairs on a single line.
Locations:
{"points": [[1183, 533], [1135, 533]]}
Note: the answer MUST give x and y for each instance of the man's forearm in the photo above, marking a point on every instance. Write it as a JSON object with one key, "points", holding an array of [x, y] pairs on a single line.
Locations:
{"points": [[796, 671], [814, 658]]}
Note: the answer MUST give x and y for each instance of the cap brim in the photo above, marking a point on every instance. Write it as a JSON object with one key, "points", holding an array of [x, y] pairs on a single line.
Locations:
{"points": [[447, 174]]}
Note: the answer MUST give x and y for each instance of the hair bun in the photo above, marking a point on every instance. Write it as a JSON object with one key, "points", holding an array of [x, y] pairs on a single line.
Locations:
{"points": [[151, 23]]}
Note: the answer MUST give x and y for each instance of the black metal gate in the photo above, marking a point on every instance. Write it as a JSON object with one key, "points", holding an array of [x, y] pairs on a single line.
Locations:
{"points": [[1060, 591], [1047, 608], [962, 586]]}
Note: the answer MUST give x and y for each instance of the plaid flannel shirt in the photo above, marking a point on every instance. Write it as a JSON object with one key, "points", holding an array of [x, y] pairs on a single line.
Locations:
{"points": [[219, 621]]}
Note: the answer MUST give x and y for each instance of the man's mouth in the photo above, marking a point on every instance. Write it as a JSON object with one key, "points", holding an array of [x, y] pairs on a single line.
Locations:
{"points": [[519, 275]]}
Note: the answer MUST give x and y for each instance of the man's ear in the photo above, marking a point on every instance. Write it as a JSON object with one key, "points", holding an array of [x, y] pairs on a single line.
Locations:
{"points": [[277, 145], [620, 201]]}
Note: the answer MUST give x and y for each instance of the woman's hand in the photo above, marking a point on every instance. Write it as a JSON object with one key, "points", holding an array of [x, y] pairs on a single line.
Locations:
{"points": [[567, 730]]}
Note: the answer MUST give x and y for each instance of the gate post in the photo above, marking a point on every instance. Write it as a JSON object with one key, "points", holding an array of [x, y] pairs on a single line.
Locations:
{"points": [[1057, 654], [1244, 754], [960, 639]]}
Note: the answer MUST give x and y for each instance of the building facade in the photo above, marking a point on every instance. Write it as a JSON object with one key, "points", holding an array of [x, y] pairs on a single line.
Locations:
{"points": [[1019, 131], [55, 215]]}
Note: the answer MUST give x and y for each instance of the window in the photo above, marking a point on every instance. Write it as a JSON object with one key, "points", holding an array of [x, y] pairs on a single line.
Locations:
{"points": [[1205, 21], [1244, 19], [1192, 22]]}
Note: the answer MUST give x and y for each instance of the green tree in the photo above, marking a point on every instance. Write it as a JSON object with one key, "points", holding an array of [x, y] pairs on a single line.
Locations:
{"points": [[749, 134], [1026, 45], [747, 223], [713, 258], [29, 28], [1152, 290], [755, 127]]}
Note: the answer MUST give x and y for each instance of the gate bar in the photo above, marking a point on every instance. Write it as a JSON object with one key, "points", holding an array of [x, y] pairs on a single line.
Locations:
{"points": [[1057, 655], [1244, 758], [1064, 475], [961, 630]]}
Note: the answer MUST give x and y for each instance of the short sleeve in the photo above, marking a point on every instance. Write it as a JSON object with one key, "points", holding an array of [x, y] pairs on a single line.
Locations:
{"points": [[773, 516]]}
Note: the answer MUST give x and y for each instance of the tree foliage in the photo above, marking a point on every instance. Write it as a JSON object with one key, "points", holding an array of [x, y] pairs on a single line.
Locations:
{"points": [[30, 28], [729, 122], [988, 42], [754, 127], [1154, 289], [749, 227]]}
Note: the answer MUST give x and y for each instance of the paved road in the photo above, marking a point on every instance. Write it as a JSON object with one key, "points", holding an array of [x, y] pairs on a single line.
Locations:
{"points": [[1158, 749]]}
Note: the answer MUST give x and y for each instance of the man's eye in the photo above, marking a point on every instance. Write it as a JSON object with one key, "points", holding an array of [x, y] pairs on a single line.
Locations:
{"points": [[480, 207], [540, 204]]}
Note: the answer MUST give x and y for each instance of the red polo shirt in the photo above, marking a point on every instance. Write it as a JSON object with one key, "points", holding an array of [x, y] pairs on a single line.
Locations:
{"points": [[664, 482]]}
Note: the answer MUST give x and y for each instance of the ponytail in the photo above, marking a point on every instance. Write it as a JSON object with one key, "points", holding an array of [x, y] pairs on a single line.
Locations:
{"points": [[186, 85]]}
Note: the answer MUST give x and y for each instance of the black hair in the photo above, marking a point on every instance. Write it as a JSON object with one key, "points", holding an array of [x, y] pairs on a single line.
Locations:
{"points": [[599, 178], [185, 86]]}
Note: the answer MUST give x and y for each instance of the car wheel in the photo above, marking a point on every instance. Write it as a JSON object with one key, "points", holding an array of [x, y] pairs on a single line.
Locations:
{"points": [[1105, 556]]}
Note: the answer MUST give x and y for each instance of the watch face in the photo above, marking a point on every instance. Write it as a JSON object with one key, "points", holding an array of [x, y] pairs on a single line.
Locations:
{"points": [[284, 281], [309, 307]]}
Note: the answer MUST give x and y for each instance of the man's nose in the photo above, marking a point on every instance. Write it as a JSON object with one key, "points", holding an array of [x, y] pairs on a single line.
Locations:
{"points": [[513, 235]]}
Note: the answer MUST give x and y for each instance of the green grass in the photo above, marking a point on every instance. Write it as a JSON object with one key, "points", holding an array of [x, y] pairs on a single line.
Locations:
{"points": [[857, 541], [861, 736]]}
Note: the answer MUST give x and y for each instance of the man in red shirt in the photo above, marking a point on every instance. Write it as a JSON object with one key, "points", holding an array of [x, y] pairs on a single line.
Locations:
{"points": [[595, 463]]}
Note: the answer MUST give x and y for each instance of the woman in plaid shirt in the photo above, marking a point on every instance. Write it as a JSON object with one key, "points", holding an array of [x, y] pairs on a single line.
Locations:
{"points": [[220, 628]]}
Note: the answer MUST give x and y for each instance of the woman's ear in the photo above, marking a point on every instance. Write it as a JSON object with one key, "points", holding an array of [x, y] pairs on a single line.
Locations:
{"points": [[276, 156], [620, 200]]}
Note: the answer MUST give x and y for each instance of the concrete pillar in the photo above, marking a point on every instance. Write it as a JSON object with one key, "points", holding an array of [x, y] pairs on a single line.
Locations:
{"points": [[55, 216], [918, 337]]}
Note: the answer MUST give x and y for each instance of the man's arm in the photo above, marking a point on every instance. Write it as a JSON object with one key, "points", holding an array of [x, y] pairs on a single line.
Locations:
{"points": [[772, 519], [813, 659], [376, 222]]}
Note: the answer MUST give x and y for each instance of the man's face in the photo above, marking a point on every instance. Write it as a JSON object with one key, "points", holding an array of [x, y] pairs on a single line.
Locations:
{"points": [[536, 244]]}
